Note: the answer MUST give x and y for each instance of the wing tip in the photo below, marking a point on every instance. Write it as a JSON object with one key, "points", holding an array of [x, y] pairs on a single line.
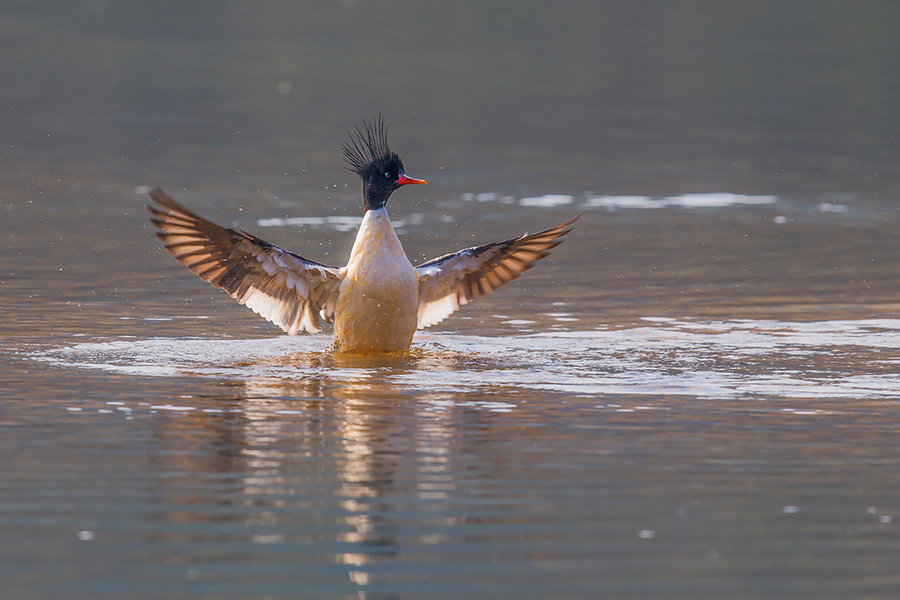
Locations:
{"points": [[561, 229], [158, 195]]}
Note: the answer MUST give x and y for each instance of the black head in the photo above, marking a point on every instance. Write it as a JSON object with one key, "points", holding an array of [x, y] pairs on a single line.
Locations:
{"points": [[380, 169]]}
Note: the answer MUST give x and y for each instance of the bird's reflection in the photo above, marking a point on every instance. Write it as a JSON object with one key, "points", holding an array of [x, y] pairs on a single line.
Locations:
{"points": [[355, 442], [378, 424]]}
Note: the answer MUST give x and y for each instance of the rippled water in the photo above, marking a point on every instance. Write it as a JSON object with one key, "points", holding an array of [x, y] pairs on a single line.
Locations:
{"points": [[696, 395]]}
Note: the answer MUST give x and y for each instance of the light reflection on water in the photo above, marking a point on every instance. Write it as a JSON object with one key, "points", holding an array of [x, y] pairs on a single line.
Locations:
{"points": [[446, 461], [556, 435], [675, 440]]}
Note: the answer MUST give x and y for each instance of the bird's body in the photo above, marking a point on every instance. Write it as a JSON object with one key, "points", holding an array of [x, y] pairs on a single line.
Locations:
{"points": [[379, 299]]}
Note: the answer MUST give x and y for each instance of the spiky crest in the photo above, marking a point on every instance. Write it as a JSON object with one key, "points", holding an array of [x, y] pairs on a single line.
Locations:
{"points": [[367, 145]]}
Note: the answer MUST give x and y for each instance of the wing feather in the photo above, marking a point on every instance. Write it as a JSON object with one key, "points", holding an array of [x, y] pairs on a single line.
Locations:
{"points": [[452, 280], [280, 286]]}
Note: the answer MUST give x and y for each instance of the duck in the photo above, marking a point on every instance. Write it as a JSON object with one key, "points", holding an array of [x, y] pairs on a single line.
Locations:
{"points": [[378, 300]]}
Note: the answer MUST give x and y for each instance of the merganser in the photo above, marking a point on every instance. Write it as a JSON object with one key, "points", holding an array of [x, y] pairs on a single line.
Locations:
{"points": [[379, 299]]}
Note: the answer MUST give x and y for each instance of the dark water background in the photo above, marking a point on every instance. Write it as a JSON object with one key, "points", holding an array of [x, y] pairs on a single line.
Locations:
{"points": [[695, 396]]}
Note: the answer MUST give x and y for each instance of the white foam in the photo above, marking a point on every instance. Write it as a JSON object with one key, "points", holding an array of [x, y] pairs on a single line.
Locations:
{"points": [[714, 200], [720, 200], [828, 207], [348, 223], [548, 200], [707, 359], [335, 223], [622, 202], [482, 197]]}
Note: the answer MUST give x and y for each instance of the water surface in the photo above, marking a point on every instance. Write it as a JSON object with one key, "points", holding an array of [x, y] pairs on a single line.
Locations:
{"points": [[696, 395]]}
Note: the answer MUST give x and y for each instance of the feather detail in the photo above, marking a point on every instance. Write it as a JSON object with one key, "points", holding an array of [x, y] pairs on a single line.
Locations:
{"points": [[282, 287], [368, 144], [452, 280]]}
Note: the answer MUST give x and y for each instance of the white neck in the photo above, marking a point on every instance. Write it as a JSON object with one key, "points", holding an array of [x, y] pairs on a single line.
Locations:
{"points": [[376, 235]]}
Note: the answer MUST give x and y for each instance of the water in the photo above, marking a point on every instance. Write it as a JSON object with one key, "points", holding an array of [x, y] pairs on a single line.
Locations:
{"points": [[696, 395]]}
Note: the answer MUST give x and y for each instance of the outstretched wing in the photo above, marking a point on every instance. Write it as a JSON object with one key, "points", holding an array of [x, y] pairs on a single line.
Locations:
{"points": [[280, 286], [448, 282]]}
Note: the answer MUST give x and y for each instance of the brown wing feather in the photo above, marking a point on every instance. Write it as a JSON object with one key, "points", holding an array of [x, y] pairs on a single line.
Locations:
{"points": [[282, 287], [450, 281]]}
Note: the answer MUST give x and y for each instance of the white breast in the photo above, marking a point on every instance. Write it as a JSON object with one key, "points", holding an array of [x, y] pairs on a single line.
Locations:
{"points": [[378, 299]]}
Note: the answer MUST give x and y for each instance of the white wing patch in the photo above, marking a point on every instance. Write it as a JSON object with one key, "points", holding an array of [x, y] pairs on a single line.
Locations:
{"points": [[453, 280], [282, 287]]}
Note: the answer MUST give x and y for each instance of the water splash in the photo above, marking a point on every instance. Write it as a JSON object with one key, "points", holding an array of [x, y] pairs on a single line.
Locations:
{"points": [[706, 359]]}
